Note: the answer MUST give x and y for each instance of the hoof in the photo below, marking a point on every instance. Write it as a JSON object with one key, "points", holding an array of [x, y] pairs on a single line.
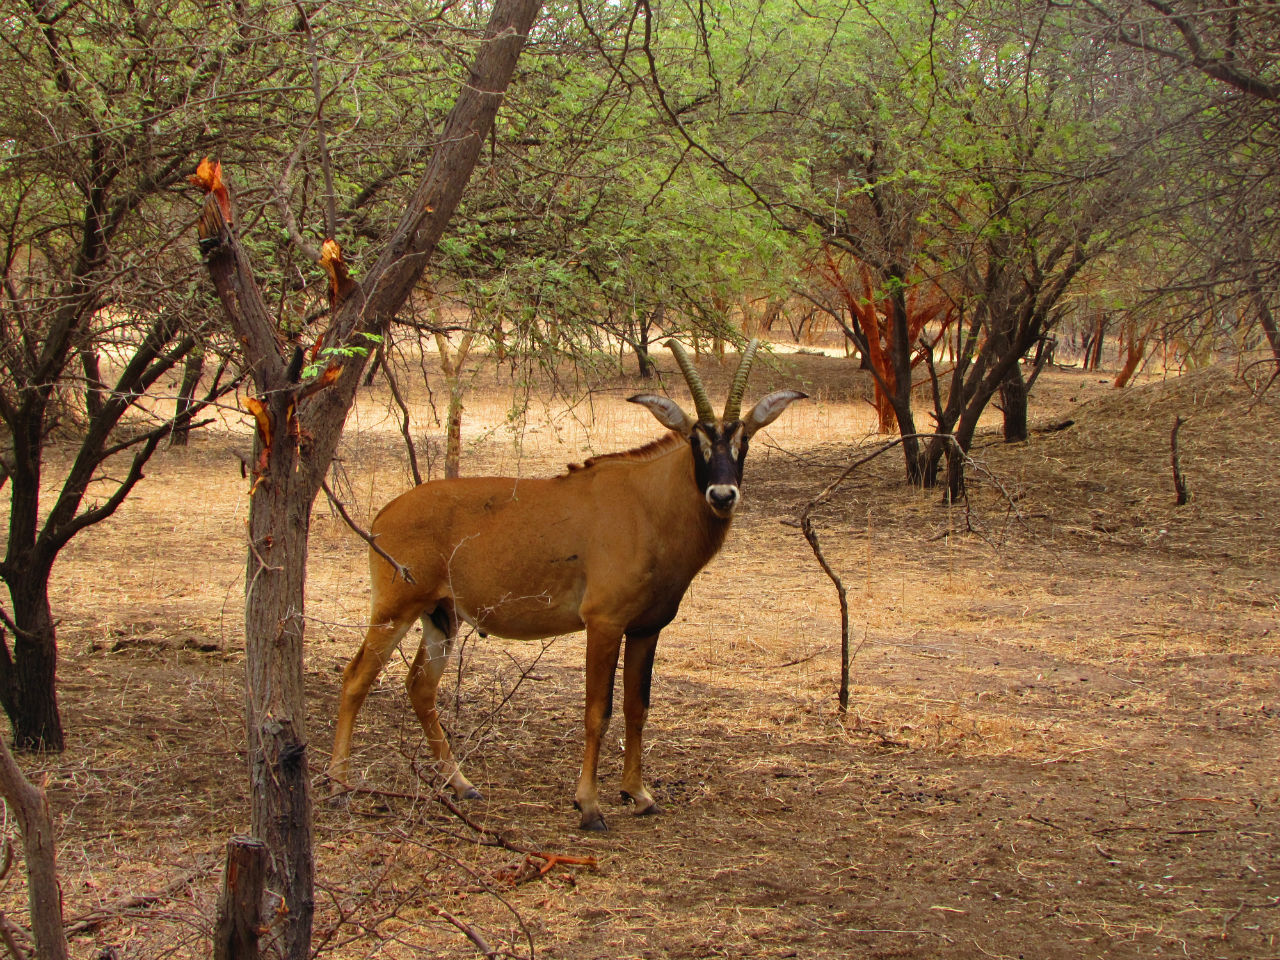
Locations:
{"points": [[595, 822], [648, 810], [470, 793]]}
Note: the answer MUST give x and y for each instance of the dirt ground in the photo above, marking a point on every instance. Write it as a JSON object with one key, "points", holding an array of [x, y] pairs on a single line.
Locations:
{"points": [[1062, 740]]}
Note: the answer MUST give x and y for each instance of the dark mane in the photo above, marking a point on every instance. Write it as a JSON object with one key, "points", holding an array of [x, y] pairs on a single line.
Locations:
{"points": [[650, 451]]}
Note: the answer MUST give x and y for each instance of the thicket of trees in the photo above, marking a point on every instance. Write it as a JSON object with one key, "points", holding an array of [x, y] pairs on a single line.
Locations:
{"points": [[956, 185]]}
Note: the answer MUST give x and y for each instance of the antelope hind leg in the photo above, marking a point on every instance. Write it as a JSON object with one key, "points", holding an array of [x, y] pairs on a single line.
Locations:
{"points": [[382, 638], [422, 684]]}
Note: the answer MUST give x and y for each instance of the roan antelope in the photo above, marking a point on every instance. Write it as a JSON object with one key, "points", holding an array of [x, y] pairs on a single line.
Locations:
{"points": [[610, 546]]}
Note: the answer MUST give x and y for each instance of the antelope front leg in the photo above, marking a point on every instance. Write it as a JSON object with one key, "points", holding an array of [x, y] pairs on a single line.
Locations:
{"points": [[602, 663], [637, 676]]}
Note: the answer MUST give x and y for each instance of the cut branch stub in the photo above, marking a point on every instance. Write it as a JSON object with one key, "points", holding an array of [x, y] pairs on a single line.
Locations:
{"points": [[700, 400], [340, 282], [262, 416], [208, 177]]}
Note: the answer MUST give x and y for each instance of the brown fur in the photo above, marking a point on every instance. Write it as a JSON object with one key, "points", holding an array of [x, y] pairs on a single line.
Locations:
{"points": [[531, 558], [652, 449], [610, 546]]}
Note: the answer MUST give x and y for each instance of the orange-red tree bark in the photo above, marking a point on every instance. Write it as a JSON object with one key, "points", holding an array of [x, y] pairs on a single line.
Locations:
{"points": [[873, 314]]}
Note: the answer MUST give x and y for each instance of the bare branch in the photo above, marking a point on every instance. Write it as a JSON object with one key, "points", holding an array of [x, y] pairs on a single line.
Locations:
{"points": [[369, 538]]}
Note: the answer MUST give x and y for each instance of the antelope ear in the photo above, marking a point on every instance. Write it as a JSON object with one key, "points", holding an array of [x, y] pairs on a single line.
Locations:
{"points": [[667, 411], [769, 408]]}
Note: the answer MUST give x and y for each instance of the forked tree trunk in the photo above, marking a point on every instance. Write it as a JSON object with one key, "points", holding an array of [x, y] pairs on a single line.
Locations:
{"points": [[452, 366], [288, 479]]}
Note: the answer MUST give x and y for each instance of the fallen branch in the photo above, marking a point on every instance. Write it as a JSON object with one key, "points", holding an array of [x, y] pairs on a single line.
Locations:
{"points": [[470, 932], [528, 869], [489, 838], [87, 922]]}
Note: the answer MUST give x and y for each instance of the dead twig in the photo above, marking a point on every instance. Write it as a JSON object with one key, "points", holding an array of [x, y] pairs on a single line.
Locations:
{"points": [[811, 535], [9, 932], [401, 570], [470, 932], [1259, 391], [1179, 481], [406, 421]]}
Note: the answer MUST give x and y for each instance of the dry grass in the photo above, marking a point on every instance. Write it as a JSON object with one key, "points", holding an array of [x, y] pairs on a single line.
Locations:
{"points": [[1062, 741]]}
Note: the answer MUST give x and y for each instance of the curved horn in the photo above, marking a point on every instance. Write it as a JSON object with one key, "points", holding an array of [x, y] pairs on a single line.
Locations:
{"points": [[700, 401], [733, 406]]}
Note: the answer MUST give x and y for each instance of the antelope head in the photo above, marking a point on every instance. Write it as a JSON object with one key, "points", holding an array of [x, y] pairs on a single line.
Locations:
{"points": [[719, 444]]}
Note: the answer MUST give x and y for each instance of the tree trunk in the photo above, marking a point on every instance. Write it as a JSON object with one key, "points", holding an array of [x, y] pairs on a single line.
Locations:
{"points": [[886, 418], [900, 357], [1093, 348], [453, 434], [452, 367], [44, 895], [1013, 400], [29, 690], [1258, 293], [279, 519], [644, 362], [192, 370], [1268, 321]]}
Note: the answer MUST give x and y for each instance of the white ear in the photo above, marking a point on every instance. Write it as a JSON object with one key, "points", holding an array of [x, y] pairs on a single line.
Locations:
{"points": [[667, 411], [769, 408]]}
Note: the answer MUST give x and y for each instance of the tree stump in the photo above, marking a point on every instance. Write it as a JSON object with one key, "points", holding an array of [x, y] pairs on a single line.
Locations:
{"points": [[240, 904]]}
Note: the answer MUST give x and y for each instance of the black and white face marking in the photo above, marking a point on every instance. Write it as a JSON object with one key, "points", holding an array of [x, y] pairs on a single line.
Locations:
{"points": [[719, 452], [719, 449]]}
